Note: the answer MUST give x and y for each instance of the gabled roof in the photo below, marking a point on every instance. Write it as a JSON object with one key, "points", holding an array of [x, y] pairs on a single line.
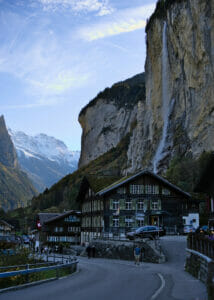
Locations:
{"points": [[7, 224], [44, 217], [96, 183], [144, 172], [99, 182], [63, 215]]}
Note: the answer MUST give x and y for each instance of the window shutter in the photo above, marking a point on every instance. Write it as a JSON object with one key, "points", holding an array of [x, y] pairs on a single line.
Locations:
{"points": [[159, 204], [122, 204], [122, 221], [135, 224], [134, 203], [111, 203], [111, 221]]}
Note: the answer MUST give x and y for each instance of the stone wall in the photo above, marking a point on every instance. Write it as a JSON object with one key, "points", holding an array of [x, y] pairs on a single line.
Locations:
{"points": [[124, 250], [201, 267]]}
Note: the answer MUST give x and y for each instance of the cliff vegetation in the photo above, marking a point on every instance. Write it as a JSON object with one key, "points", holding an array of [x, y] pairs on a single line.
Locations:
{"points": [[124, 93]]}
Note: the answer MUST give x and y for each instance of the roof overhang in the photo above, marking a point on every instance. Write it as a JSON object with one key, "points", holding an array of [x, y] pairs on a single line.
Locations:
{"points": [[144, 172]]}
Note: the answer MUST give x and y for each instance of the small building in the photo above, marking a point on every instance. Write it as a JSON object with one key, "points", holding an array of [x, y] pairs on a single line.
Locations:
{"points": [[140, 199], [40, 235], [57, 228], [6, 229], [65, 228]]}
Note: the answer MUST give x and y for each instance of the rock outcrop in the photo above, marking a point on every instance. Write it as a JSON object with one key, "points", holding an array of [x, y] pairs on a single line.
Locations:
{"points": [[16, 189], [109, 117], [7, 151]]}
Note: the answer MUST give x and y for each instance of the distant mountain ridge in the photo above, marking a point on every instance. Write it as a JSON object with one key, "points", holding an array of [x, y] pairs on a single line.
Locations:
{"points": [[15, 187], [44, 158]]}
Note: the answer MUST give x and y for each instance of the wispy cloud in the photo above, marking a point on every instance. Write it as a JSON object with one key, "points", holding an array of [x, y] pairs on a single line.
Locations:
{"points": [[100, 7], [43, 63], [120, 22]]}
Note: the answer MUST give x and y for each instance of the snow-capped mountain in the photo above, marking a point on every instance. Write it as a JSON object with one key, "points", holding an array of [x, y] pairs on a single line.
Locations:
{"points": [[45, 159]]}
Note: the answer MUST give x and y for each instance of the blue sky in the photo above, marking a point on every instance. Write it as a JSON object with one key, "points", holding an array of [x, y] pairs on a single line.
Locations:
{"points": [[56, 55]]}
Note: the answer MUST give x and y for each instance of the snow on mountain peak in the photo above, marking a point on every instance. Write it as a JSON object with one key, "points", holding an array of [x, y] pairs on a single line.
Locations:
{"points": [[44, 146]]}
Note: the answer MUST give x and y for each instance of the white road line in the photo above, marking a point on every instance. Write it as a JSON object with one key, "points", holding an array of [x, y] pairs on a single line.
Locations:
{"points": [[163, 283]]}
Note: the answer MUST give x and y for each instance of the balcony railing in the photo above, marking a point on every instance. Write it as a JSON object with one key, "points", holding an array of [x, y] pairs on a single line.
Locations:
{"points": [[201, 243]]}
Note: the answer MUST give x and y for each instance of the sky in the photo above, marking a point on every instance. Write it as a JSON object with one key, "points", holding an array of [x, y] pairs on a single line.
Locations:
{"points": [[57, 55]]}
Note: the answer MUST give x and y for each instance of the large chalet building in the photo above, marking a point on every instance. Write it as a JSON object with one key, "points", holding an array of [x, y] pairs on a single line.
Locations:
{"points": [[141, 199]]}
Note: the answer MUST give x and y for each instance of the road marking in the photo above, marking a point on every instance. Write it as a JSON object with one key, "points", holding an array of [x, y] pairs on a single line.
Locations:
{"points": [[163, 283]]}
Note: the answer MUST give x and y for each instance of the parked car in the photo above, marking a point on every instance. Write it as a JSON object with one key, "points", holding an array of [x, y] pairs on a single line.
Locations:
{"points": [[145, 231], [188, 228]]}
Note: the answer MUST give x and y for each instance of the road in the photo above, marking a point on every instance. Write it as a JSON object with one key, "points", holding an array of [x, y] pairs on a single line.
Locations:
{"points": [[115, 279]]}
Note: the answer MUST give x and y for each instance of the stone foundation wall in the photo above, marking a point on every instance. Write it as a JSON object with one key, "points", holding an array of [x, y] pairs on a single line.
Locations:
{"points": [[124, 250]]}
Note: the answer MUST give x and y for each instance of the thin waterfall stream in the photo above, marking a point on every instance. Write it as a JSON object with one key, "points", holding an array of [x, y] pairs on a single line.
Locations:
{"points": [[166, 105]]}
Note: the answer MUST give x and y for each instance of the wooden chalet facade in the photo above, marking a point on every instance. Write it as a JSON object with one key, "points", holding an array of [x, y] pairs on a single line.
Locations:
{"points": [[142, 199], [64, 228], [58, 228]]}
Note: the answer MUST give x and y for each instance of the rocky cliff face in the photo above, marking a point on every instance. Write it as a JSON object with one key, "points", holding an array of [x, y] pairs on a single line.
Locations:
{"points": [[177, 116], [16, 189], [179, 80], [109, 117], [7, 151]]}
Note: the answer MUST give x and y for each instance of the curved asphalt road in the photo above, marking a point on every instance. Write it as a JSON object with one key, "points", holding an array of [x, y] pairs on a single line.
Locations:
{"points": [[115, 280]]}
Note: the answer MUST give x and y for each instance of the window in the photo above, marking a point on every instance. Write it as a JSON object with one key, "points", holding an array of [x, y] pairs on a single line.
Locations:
{"points": [[165, 191], [115, 204], [140, 205], [136, 189], [121, 190], [155, 204], [128, 221], [148, 189], [140, 223], [115, 222], [128, 205], [58, 229], [71, 219], [73, 229], [155, 189]]}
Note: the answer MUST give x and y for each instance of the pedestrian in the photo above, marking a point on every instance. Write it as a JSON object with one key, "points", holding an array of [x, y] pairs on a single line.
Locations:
{"points": [[93, 250], [88, 250], [137, 252]]}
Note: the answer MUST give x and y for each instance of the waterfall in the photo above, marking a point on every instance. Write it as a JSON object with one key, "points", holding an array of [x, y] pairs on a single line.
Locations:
{"points": [[167, 107]]}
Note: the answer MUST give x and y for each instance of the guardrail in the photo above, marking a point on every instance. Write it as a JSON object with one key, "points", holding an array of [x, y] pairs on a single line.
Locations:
{"points": [[35, 270], [27, 266], [71, 268], [201, 243]]}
